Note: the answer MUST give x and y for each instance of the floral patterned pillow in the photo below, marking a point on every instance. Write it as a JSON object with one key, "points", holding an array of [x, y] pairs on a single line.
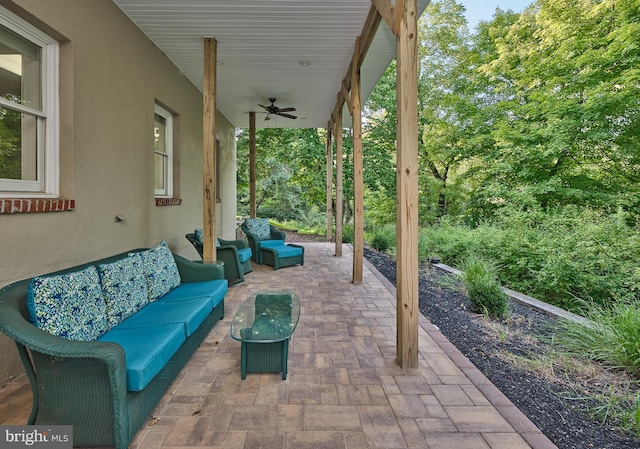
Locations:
{"points": [[69, 305], [199, 232], [259, 227], [125, 288], [160, 270]]}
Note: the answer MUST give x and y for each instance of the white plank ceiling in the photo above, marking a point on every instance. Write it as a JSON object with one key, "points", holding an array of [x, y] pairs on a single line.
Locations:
{"points": [[297, 51]]}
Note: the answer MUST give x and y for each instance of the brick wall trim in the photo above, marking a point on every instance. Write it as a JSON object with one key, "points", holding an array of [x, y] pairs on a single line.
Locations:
{"points": [[35, 205], [168, 201]]}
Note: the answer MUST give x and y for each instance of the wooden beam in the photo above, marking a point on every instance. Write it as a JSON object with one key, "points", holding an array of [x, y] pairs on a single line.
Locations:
{"points": [[252, 164], [398, 14], [346, 96], [366, 37], [209, 150], [386, 11], [407, 187], [358, 171], [337, 137], [329, 155], [350, 84]]}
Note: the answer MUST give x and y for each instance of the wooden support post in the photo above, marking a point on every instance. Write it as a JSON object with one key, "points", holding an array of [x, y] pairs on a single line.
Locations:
{"points": [[252, 164], [209, 150], [329, 154], [337, 137], [407, 187], [358, 171]]}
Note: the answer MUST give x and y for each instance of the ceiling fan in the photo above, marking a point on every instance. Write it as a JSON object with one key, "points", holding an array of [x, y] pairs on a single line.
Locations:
{"points": [[275, 110]]}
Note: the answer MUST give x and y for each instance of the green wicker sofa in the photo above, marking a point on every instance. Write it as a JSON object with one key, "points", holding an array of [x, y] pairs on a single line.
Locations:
{"points": [[93, 385]]}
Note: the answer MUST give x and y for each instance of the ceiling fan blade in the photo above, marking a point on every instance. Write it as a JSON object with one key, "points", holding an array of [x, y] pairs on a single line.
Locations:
{"points": [[266, 108], [287, 109], [287, 115]]}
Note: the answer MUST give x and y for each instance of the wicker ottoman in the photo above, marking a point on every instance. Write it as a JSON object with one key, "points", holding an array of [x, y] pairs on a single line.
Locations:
{"points": [[283, 255]]}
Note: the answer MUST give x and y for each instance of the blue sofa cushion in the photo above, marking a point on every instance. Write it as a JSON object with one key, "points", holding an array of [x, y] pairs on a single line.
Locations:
{"points": [[189, 312], [125, 288], [259, 227], [160, 270], [215, 290], [69, 305], [244, 254], [146, 349], [270, 243], [287, 251]]}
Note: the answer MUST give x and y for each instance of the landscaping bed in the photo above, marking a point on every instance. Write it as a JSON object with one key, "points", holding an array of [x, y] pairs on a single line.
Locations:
{"points": [[516, 356]]}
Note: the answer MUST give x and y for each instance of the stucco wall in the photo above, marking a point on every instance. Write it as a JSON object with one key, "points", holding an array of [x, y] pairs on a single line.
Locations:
{"points": [[111, 76]]}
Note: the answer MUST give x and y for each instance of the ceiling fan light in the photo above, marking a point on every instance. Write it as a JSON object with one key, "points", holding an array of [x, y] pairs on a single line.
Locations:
{"points": [[267, 118]]}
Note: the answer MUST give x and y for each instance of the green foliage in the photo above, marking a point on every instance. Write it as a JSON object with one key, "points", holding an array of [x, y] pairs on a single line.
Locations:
{"points": [[290, 172], [556, 257], [424, 247], [379, 242], [567, 117], [529, 130], [347, 234], [485, 293], [10, 143], [382, 238], [612, 337], [379, 207]]}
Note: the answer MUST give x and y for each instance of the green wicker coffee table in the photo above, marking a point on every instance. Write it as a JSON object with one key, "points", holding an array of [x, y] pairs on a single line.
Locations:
{"points": [[264, 323]]}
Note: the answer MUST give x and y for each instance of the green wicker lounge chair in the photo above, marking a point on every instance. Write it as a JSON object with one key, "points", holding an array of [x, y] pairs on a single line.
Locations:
{"points": [[235, 255], [260, 234]]}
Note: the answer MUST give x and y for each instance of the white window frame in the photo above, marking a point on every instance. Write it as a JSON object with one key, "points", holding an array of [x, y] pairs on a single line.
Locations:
{"points": [[47, 184], [167, 192]]}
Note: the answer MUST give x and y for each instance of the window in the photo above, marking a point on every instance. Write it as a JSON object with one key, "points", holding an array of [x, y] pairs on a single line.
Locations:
{"points": [[29, 142], [163, 152]]}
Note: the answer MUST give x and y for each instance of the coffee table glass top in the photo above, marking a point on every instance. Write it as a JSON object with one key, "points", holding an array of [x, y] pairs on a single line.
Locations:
{"points": [[266, 317]]}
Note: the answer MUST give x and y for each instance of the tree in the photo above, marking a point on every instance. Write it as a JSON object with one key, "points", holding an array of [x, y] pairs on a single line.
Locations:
{"points": [[454, 126], [290, 172], [569, 130]]}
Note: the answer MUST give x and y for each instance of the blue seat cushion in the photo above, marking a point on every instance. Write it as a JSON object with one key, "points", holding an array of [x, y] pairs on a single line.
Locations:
{"points": [[189, 312], [287, 251], [244, 254], [147, 350], [215, 290], [270, 243]]}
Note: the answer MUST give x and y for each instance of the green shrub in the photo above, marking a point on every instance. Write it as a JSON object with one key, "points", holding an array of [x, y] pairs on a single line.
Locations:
{"points": [[485, 294], [382, 238], [379, 242], [612, 336], [558, 256]]}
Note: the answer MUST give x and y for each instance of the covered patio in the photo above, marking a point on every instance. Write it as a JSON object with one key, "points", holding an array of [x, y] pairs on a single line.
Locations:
{"points": [[344, 390], [323, 59]]}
